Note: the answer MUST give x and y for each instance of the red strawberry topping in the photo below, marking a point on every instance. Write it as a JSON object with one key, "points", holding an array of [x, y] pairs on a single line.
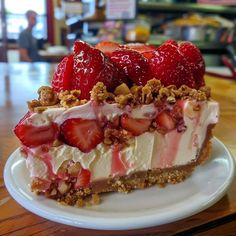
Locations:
{"points": [[83, 179], [135, 126], [33, 136], [112, 63], [195, 61], [172, 42], [63, 75], [132, 64], [169, 66], [108, 47], [83, 134], [92, 66], [140, 47]]}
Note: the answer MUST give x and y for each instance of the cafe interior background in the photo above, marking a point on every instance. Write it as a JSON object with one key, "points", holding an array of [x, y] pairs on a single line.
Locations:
{"points": [[210, 24]]}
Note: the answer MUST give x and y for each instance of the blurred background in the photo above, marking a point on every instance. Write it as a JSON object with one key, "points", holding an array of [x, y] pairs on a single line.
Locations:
{"points": [[211, 24]]}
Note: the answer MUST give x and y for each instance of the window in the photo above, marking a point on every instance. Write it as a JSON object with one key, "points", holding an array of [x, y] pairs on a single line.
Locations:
{"points": [[16, 20]]}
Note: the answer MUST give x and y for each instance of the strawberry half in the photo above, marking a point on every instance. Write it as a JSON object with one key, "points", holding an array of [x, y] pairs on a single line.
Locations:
{"points": [[135, 126], [140, 47], [108, 47], [132, 64], [63, 75], [165, 122], [195, 61], [169, 66], [172, 42], [83, 179], [33, 136], [91, 66], [83, 134]]}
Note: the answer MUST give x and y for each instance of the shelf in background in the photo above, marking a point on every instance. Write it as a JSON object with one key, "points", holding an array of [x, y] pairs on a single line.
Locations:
{"points": [[185, 7]]}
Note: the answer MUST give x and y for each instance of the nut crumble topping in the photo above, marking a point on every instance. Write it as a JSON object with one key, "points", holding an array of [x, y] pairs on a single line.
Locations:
{"points": [[99, 92], [152, 92], [114, 136]]}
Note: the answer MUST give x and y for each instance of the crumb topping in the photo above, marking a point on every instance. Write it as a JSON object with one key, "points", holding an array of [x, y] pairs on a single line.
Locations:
{"points": [[46, 96], [114, 136], [99, 92], [70, 98], [152, 92]]}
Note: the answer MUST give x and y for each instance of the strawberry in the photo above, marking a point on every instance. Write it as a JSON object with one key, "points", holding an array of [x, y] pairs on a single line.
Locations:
{"points": [[140, 47], [33, 136], [149, 54], [195, 61], [135, 126], [169, 66], [83, 179], [165, 122], [63, 75], [83, 134], [91, 66], [114, 123], [108, 47], [132, 64], [172, 42], [25, 117]]}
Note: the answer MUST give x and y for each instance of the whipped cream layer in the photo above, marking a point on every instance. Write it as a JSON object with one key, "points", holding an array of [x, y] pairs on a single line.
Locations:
{"points": [[149, 150], [90, 111]]}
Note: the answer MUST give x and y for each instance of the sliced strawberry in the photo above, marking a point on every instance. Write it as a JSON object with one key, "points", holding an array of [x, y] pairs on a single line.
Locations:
{"points": [[165, 122], [92, 66], [140, 47], [132, 64], [108, 47], [169, 66], [83, 134], [195, 61], [172, 42], [83, 179], [114, 123], [149, 54], [62, 77], [32, 136], [135, 126], [25, 117]]}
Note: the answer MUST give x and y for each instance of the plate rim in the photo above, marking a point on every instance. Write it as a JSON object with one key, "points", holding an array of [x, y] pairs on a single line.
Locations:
{"points": [[104, 223]]}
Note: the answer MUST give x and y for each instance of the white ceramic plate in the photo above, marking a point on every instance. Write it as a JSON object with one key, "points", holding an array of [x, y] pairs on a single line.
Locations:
{"points": [[139, 209]]}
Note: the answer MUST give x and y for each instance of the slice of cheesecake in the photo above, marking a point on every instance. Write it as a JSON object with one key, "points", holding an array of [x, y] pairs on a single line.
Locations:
{"points": [[123, 137]]}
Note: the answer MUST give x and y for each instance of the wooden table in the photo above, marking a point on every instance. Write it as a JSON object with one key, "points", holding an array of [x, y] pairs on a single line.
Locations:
{"points": [[19, 83]]}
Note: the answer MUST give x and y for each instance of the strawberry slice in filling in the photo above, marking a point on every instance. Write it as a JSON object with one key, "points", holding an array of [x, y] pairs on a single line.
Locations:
{"points": [[83, 134]]}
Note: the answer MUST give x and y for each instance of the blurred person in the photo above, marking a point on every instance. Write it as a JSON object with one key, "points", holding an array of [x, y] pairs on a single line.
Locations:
{"points": [[27, 43]]}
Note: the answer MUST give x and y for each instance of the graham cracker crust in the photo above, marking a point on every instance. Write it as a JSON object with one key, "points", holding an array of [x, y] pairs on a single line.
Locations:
{"points": [[124, 184]]}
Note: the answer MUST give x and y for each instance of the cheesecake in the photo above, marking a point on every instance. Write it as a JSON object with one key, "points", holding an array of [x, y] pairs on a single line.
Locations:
{"points": [[118, 118]]}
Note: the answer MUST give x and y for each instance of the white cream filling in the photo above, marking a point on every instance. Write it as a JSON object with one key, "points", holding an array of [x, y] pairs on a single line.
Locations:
{"points": [[146, 151], [87, 111]]}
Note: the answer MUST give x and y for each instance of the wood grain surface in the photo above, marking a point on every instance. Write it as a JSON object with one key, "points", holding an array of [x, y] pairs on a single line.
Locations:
{"points": [[19, 83]]}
